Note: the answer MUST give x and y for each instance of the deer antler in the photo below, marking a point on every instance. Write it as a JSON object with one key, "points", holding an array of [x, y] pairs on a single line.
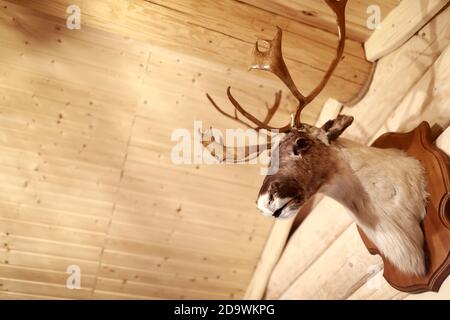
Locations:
{"points": [[272, 60], [233, 154], [338, 7], [270, 111]]}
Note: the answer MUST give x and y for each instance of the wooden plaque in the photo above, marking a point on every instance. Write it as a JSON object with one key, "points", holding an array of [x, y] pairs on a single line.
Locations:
{"points": [[436, 224]]}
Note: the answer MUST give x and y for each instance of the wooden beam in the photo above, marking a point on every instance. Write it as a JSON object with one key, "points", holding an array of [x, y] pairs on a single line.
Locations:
{"points": [[268, 259], [336, 273], [317, 14], [323, 225], [400, 25], [402, 68], [426, 101]]}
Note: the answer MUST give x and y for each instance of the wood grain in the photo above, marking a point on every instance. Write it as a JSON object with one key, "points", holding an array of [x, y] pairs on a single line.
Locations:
{"points": [[400, 25], [317, 13], [403, 67]]}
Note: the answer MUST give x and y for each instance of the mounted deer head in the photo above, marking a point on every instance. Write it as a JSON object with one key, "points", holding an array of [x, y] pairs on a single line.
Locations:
{"points": [[302, 146], [368, 181], [306, 161]]}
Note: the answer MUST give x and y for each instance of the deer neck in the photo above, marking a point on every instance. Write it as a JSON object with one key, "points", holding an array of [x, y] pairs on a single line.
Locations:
{"points": [[368, 179], [350, 185], [385, 192]]}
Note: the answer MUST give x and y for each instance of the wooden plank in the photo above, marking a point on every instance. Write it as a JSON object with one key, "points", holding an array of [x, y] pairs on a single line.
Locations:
{"points": [[323, 225], [27, 259], [7, 295], [183, 281], [45, 216], [49, 232], [400, 25], [443, 141], [377, 288], [43, 289], [164, 252], [426, 101], [316, 13], [41, 246], [330, 110], [51, 277], [268, 259], [336, 273], [147, 290], [403, 67], [202, 17], [223, 48]]}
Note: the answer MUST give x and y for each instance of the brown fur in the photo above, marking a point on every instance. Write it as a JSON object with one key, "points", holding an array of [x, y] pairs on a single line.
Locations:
{"points": [[384, 190]]}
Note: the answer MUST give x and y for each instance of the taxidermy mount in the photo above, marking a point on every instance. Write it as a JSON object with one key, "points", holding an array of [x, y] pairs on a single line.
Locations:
{"points": [[385, 189]]}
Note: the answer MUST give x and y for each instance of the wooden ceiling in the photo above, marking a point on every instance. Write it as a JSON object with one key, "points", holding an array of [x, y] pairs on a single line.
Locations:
{"points": [[85, 136], [318, 14]]}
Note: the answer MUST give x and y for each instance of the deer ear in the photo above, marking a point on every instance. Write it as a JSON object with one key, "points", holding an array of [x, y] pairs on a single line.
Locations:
{"points": [[334, 128]]}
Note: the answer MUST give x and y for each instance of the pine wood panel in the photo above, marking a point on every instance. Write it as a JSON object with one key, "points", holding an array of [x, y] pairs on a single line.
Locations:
{"points": [[317, 13], [327, 221], [403, 67], [190, 27], [400, 25]]}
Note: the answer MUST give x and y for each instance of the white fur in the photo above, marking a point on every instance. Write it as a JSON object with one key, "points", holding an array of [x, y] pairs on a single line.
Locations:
{"points": [[385, 191], [269, 207], [263, 205]]}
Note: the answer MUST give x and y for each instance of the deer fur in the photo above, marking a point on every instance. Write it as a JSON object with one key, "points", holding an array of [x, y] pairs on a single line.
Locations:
{"points": [[384, 189], [385, 192]]}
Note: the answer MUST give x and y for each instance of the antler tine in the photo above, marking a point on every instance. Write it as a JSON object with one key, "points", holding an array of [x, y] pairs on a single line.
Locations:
{"points": [[226, 154], [260, 124], [234, 117], [233, 154], [270, 111], [338, 7], [272, 60]]}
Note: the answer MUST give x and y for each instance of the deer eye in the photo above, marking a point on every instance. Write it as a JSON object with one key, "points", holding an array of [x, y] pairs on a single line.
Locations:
{"points": [[301, 145]]}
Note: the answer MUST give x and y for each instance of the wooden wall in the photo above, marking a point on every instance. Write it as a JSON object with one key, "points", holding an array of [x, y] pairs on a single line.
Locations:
{"points": [[85, 123]]}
